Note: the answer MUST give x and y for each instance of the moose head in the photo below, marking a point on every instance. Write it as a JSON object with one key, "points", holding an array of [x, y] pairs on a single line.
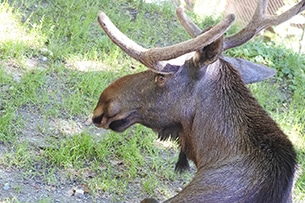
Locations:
{"points": [[193, 94]]}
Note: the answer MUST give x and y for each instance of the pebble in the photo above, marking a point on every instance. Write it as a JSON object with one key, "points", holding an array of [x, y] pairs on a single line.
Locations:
{"points": [[6, 186], [179, 189], [79, 192], [44, 59]]}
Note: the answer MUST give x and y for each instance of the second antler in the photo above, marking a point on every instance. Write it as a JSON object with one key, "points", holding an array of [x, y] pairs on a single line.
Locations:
{"points": [[259, 21]]}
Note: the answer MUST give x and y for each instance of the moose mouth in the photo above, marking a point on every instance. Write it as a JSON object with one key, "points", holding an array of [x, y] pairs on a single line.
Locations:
{"points": [[118, 123]]}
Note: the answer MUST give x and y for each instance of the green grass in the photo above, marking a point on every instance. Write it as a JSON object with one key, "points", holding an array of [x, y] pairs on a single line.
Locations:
{"points": [[74, 61]]}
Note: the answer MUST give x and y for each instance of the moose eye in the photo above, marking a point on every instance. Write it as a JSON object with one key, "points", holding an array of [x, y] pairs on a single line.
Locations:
{"points": [[160, 79]]}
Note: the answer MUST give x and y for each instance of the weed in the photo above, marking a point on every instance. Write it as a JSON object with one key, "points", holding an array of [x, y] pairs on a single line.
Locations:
{"points": [[150, 185]]}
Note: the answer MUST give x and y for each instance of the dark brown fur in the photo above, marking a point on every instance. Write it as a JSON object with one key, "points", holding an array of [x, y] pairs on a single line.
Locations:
{"points": [[240, 153]]}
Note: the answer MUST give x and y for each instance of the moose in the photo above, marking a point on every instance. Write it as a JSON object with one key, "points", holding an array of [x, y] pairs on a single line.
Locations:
{"points": [[194, 94]]}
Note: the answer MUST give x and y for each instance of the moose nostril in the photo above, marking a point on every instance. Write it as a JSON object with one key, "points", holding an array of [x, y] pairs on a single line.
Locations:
{"points": [[97, 119]]}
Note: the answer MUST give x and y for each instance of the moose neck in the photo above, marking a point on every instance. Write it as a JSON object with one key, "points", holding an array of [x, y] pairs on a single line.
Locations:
{"points": [[221, 119]]}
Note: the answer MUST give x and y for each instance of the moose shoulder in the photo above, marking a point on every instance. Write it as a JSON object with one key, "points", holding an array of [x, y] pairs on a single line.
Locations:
{"points": [[193, 94]]}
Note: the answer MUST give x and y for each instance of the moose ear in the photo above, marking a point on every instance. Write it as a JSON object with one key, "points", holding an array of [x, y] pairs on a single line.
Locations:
{"points": [[209, 53], [251, 72]]}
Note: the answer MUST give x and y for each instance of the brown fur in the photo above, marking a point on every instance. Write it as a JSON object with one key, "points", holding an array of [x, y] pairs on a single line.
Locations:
{"points": [[240, 153]]}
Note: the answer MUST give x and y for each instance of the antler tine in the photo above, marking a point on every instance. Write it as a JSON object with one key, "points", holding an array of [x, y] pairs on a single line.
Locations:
{"points": [[117, 37], [260, 8], [260, 21], [192, 29], [152, 57]]}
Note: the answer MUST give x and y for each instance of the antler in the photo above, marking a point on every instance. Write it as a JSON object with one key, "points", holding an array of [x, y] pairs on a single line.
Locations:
{"points": [[152, 57], [192, 29], [260, 21]]}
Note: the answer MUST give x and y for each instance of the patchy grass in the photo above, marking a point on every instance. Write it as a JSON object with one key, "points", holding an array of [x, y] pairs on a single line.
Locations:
{"points": [[52, 70]]}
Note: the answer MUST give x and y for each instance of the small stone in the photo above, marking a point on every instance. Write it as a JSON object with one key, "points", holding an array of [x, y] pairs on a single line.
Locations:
{"points": [[79, 191], [6, 186], [44, 59], [179, 189]]}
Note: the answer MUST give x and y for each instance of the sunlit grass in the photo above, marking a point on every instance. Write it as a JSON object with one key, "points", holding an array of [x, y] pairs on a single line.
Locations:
{"points": [[15, 38]]}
